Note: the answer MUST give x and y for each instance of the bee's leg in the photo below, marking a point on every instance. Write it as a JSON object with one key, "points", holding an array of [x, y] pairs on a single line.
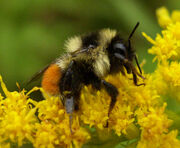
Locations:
{"points": [[135, 80], [112, 91], [70, 87], [69, 106]]}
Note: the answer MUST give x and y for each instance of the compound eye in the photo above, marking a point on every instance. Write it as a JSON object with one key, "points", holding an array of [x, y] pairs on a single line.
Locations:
{"points": [[120, 48]]}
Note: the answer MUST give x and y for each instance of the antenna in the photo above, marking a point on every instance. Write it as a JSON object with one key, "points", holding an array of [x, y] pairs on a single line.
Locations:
{"points": [[133, 30], [129, 44]]}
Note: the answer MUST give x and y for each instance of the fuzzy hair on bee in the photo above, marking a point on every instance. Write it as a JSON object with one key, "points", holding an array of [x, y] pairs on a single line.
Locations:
{"points": [[88, 60]]}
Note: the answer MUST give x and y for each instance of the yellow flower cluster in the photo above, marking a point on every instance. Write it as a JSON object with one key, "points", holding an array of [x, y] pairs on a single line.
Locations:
{"points": [[154, 124], [17, 117], [19, 124], [139, 112], [165, 80], [54, 128], [94, 105], [167, 45]]}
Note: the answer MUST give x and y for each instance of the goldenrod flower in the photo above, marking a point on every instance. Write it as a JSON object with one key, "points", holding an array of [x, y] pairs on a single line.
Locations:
{"points": [[163, 16], [54, 128], [167, 76], [165, 80], [19, 124], [165, 19], [153, 122], [163, 141], [50, 134], [167, 45], [17, 118], [94, 106]]}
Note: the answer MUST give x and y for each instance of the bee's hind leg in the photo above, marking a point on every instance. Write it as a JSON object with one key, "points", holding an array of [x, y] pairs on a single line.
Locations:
{"points": [[69, 106], [70, 87]]}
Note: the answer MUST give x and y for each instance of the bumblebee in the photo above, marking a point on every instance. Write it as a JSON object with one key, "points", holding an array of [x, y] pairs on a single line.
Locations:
{"points": [[88, 59]]}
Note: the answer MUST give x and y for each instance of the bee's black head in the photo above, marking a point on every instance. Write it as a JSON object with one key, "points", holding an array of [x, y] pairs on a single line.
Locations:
{"points": [[122, 54], [122, 49]]}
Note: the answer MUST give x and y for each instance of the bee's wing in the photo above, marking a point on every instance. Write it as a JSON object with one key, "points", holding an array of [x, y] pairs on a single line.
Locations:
{"points": [[37, 75], [81, 51]]}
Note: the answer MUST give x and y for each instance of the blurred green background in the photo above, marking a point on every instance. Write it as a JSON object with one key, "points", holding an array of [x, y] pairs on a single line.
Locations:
{"points": [[32, 32]]}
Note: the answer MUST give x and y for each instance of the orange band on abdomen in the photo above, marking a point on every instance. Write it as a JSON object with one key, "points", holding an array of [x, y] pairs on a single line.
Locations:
{"points": [[51, 79]]}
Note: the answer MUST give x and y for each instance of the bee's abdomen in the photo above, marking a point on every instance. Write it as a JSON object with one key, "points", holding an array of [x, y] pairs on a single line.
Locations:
{"points": [[51, 79]]}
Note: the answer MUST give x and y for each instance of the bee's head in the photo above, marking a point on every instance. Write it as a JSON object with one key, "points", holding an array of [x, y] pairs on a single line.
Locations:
{"points": [[124, 54], [123, 51]]}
